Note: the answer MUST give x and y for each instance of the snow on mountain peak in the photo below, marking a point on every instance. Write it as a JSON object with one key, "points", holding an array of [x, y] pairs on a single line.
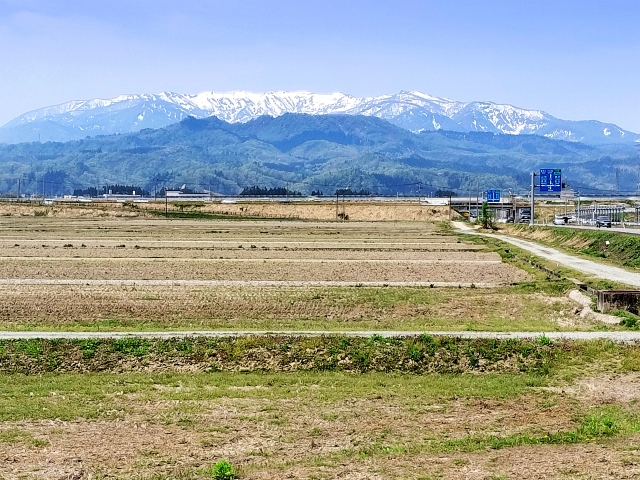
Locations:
{"points": [[413, 110]]}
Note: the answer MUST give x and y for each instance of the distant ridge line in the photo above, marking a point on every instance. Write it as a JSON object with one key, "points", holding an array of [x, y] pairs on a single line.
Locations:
{"points": [[411, 110]]}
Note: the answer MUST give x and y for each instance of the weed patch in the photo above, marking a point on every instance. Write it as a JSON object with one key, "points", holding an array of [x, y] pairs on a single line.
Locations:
{"points": [[278, 353]]}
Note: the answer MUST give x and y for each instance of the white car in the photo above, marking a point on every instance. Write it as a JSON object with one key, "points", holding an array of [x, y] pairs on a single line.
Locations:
{"points": [[560, 220]]}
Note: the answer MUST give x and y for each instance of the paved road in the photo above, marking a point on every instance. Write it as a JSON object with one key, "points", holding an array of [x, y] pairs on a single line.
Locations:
{"points": [[626, 337], [599, 270]]}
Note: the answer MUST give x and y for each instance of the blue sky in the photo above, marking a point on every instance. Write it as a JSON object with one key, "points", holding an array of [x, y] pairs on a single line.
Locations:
{"points": [[574, 59]]}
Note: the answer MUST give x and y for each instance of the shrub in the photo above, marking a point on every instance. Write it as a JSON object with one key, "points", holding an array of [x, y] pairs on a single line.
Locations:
{"points": [[223, 470], [628, 319], [544, 340]]}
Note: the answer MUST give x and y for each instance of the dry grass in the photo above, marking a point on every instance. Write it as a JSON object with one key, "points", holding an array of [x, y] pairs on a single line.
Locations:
{"points": [[302, 427], [180, 307], [324, 210]]}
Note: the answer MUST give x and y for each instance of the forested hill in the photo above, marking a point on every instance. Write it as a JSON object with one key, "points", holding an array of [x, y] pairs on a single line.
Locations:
{"points": [[310, 153]]}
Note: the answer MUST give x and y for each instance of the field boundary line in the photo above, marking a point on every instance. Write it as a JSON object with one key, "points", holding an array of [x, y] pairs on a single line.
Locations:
{"points": [[238, 283], [250, 260], [619, 337]]}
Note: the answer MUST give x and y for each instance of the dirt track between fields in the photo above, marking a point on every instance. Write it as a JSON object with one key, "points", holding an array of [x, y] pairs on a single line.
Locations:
{"points": [[583, 265], [619, 336]]}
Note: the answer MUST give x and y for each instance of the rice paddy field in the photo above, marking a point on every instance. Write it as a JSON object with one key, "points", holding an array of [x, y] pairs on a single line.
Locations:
{"points": [[132, 273]]}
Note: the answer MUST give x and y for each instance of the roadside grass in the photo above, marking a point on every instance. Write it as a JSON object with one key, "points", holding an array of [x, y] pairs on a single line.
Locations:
{"points": [[627, 319], [419, 354]]}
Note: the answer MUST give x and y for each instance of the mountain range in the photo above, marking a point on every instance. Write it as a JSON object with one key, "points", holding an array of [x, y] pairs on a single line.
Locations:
{"points": [[413, 111], [310, 153]]}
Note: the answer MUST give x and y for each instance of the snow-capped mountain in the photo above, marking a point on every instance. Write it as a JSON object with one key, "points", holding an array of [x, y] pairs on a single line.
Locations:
{"points": [[414, 111]]}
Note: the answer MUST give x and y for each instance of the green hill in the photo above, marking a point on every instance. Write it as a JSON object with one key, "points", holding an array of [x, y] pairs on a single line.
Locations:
{"points": [[309, 153]]}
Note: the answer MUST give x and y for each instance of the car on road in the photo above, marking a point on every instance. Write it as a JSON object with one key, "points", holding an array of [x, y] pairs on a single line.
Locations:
{"points": [[603, 221], [525, 215], [560, 219]]}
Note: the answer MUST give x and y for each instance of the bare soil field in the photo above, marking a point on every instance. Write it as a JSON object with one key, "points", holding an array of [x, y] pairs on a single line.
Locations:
{"points": [[215, 229], [265, 269], [243, 249]]}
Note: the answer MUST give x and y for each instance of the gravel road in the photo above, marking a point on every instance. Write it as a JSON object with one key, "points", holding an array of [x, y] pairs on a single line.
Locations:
{"points": [[620, 337], [585, 266]]}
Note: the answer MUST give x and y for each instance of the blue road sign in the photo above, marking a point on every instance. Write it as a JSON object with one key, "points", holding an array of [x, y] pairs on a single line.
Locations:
{"points": [[493, 196], [550, 180]]}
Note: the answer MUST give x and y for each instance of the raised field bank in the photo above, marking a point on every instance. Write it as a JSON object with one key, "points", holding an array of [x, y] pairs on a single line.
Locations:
{"points": [[346, 402]]}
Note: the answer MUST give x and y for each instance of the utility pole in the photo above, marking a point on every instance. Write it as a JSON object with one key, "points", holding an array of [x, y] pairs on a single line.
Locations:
{"points": [[19, 189], [344, 213], [533, 206], [477, 197], [579, 217]]}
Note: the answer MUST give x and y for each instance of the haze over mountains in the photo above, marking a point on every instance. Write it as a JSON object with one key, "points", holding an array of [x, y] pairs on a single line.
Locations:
{"points": [[414, 111]]}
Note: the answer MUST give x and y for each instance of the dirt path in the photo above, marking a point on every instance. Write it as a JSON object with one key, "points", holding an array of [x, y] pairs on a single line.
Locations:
{"points": [[621, 337], [585, 266], [237, 283]]}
